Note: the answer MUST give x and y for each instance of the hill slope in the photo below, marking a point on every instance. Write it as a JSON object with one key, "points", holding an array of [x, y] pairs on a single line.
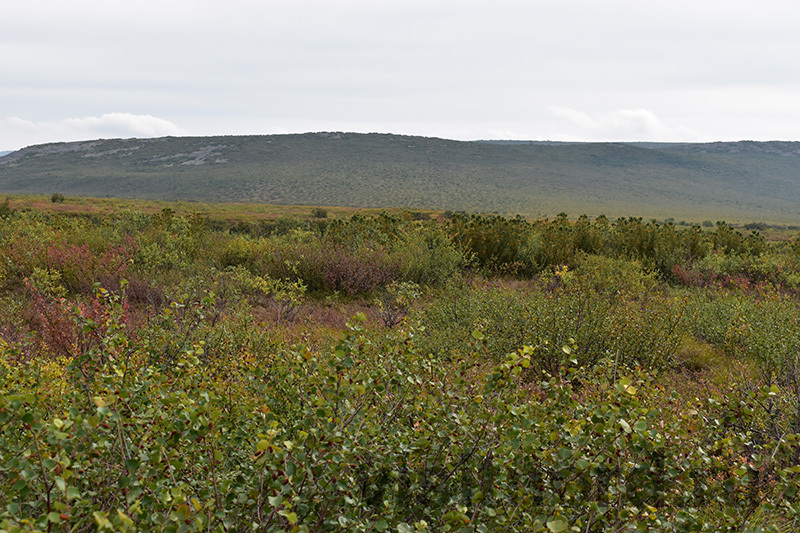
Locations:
{"points": [[735, 181]]}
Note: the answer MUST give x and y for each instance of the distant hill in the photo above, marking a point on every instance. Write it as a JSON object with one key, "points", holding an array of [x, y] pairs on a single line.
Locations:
{"points": [[2, 153], [734, 181]]}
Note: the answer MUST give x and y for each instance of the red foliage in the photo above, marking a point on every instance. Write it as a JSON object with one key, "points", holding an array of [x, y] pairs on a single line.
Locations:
{"points": [[352, 272], [359, 274], [80, 268], [695, 278], [59, 325]]}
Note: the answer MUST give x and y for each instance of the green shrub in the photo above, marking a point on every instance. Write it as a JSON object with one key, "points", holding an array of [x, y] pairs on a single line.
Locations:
{"points": [[5, 209], [497, 244], [765, 330], [283, 295], [507, 402], [608, 275], [246, 252], [645, 332], [426, 256], [372, 437]]}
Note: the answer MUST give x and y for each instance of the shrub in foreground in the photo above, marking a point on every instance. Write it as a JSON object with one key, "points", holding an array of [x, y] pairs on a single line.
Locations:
{"points": [[371, 437]]}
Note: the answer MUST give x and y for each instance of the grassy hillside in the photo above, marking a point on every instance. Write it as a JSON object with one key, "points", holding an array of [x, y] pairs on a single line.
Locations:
{"points": [[733, 181]]}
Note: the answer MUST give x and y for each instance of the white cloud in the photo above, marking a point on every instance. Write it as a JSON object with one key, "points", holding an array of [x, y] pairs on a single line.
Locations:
{"points": [[619, 124], [18, 132], [578, 118], [20, 124], [122, 124]]}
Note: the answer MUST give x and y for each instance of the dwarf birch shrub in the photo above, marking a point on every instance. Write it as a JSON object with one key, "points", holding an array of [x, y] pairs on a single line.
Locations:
{"points": [[637, 332], [359, 438], [284, 296], [768, 332], [519, 405], [763, 329], [609, 275], [427, 257]]}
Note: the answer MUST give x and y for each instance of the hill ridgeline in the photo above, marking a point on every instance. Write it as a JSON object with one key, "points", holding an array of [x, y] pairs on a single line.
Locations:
{"points": [[727, 180]]}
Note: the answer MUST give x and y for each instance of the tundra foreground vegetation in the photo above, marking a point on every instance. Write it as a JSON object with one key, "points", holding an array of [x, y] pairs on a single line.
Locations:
{"points": [[170, 373]]}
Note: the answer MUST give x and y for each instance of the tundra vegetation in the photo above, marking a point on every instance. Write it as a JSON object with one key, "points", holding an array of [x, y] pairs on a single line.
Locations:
{"points": [[734, 181], [165, 372]]}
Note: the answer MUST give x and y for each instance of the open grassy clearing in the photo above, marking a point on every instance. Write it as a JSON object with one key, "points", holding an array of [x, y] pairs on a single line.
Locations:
{"points": [[217, 211]]}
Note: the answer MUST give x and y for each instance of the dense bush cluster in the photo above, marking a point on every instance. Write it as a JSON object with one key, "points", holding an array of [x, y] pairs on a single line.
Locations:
{"points": [[169, 373], [526, 248]]}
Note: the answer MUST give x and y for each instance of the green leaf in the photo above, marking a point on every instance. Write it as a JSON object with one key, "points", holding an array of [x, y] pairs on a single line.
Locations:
{"points": [[422, 442], [557, 525], [456, 518], [101, 519]]}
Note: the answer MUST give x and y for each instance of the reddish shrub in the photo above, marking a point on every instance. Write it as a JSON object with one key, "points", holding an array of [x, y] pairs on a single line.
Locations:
{"points": [[359, 273], [59, 324], [80, 268], [338, 268], [695, 278]]}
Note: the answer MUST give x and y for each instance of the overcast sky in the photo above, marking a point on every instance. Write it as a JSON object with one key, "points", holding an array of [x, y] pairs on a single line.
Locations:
{"points": [[586, 70]]}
